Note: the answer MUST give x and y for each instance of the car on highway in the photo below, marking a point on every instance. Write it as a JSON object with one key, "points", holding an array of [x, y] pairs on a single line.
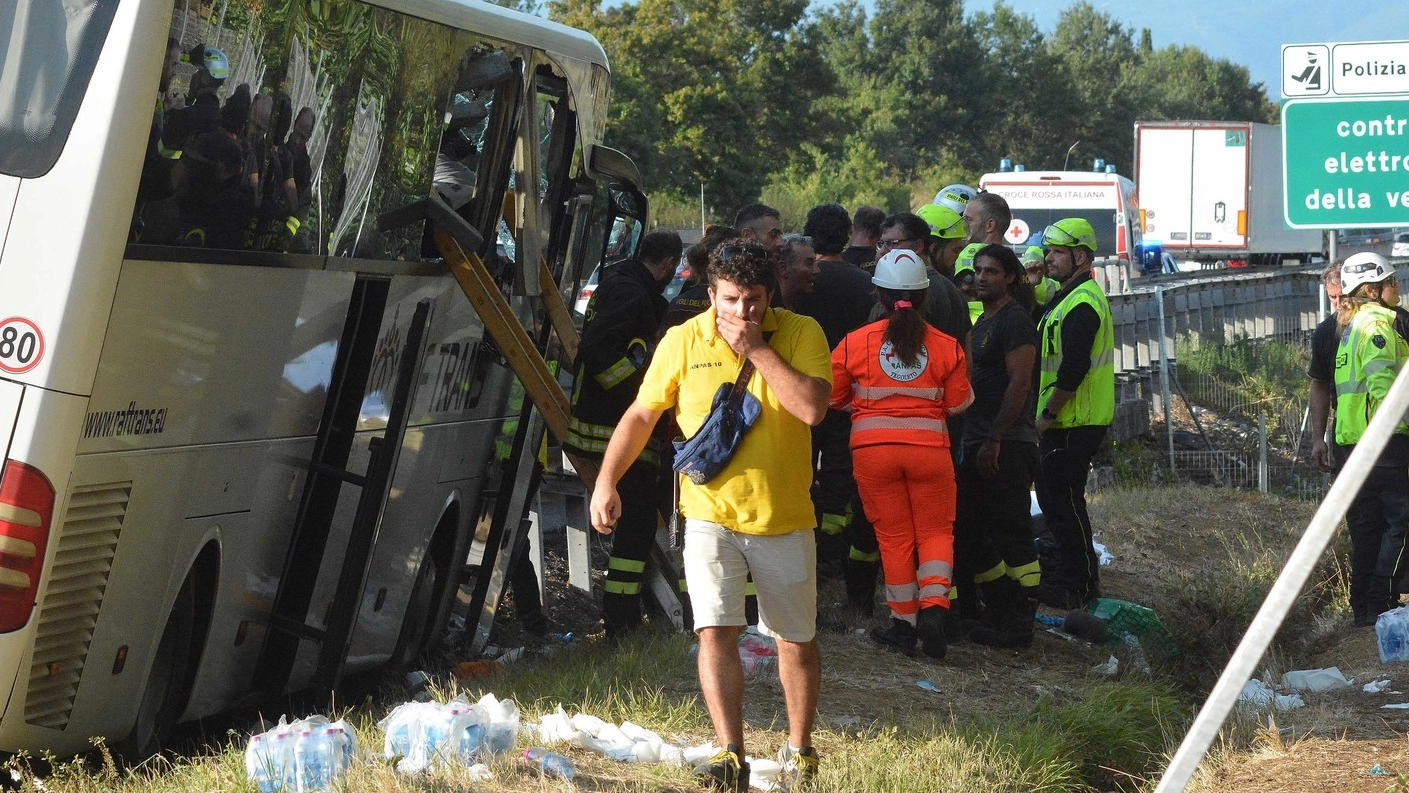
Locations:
{"points": [[1400, 250]]}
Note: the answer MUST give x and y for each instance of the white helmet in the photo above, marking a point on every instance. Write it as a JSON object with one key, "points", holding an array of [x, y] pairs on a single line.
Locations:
{"points": [[955, 196], [1364, 268], [901, 269]]}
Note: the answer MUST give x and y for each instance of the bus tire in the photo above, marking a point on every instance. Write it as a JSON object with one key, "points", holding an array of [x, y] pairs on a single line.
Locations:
{"points": [[427, 602], [165, 692]]}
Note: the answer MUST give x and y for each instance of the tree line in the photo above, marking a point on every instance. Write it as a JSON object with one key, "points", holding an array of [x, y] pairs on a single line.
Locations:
{"points": [[801, 103]]}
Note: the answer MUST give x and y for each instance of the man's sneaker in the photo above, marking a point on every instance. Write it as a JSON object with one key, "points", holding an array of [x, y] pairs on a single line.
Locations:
{"points": [[799, 769], [898, 638], [726, 770]]}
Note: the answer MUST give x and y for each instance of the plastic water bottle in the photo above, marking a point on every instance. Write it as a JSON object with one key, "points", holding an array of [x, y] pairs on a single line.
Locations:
{"points": [[311, 754], [399, 738], [1392, 632], [284, 768], [339, 751], [552, 763], [437, 731], [261, 765], [471, 741]]}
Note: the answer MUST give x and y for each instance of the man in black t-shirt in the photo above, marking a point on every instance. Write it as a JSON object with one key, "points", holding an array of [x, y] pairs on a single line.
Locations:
{"points": [[865, 232], [841, 302], [1322, 372], [992, 530]]}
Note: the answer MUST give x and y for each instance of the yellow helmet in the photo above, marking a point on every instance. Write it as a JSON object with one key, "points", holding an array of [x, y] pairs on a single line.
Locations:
{"points": [[944, 222]]}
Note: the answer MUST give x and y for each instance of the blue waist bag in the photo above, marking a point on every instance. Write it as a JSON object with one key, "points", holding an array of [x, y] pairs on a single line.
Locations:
{"points": [[733, 412]]}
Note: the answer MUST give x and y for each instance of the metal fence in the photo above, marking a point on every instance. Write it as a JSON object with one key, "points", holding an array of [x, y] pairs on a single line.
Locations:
{"points": [[1215, 367]]}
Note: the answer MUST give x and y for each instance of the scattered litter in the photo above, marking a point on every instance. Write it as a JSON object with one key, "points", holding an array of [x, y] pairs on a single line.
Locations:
{"points": [[510, 656], [1396, 706], [1050, 621], [1375, 770], [1316, 681], [1108, 667], [1135, 654], [1104, 555], [928, 686], [764, 773], [627, 743], [469, 670], [479, 772], [757, 652], [1392, 635], [1260, 695], [417, 680], [1376, 686]]}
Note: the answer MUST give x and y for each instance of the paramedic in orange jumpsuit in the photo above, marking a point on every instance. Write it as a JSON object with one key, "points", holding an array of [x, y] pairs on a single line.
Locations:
{"points": [[902, 379]]}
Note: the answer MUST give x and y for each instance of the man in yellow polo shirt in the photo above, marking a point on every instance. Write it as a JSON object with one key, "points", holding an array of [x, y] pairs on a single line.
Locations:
{"points": [[756, 516]]}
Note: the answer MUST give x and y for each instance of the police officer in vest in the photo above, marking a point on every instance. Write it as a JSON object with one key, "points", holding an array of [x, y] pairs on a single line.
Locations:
{"points": [[1075, 405], [1369, 357], [623, 321]]}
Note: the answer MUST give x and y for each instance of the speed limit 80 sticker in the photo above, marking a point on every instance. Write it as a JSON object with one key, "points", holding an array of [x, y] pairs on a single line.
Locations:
{"points": [[21, 345]]}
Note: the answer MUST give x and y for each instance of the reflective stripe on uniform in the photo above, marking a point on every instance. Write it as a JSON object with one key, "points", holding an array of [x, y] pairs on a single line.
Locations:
{"points": [[932, 591], [881, 392], [626, 565], [900, 593], [992, 574], [616, 374], [935, 568], [861, 556], [1029, 575], [833, 525], [899, 423], [622, 587]]}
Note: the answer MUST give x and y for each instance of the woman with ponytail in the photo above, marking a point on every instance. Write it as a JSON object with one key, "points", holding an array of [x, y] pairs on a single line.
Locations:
{"points": [[901, 379]]}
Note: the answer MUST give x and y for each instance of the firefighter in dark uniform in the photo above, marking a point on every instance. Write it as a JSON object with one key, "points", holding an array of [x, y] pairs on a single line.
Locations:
{"points": [[623, 322]]}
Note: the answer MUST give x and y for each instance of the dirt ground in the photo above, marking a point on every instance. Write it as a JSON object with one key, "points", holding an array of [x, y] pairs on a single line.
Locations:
{"points": [[1160, 537]]}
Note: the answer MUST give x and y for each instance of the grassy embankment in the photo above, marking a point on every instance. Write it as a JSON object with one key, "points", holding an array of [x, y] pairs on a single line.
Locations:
{"points": [[1008, 721]]}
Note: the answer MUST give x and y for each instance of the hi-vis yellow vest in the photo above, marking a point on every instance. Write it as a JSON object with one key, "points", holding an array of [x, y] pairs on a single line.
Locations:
{"points": [[1094, 401], [1370, 355]]}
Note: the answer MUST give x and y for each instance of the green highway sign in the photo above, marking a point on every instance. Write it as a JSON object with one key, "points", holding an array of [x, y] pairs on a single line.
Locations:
{"points": [[1345, 162]]}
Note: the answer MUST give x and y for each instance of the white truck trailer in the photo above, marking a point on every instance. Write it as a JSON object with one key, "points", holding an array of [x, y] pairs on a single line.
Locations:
{"points": [[1211, 194]]}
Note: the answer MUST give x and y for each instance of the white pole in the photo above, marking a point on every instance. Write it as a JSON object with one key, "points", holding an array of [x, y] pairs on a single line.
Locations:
{"points": [[1286, 589], [702, 212], [1164, 378]]}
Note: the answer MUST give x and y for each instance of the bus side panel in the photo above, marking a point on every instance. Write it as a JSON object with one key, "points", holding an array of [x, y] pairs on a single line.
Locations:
{"points": [[457, 413], [62, 253], [161, 533], [215, 353]]}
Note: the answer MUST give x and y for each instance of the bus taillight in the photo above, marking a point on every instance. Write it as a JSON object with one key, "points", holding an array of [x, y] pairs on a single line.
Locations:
{"points": [[26, 514]]}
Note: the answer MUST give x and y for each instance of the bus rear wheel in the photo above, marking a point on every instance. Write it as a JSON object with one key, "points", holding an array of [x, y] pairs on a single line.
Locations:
{"points": [[164, 694], [417, 627]]}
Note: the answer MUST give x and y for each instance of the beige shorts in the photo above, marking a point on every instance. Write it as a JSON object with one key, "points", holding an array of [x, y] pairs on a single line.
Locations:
{"points": [[718, 562]]}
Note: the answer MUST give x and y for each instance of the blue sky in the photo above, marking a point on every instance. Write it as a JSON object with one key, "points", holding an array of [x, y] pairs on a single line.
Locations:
{"points": [[1248, 32]]}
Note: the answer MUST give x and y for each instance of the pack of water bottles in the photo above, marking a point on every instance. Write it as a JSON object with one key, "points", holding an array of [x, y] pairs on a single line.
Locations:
{"points": [[301, 757], [429, 734]]}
